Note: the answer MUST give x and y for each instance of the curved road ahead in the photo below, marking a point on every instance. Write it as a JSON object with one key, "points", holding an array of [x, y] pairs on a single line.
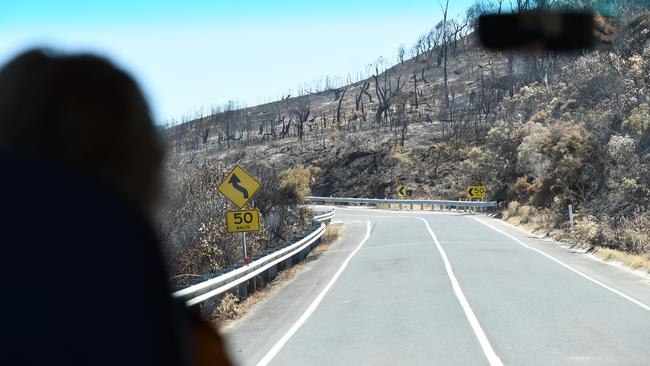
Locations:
{"points": [[424, 288]]}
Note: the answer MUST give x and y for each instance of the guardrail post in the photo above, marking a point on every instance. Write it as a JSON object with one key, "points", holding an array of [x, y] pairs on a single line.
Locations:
{"points": [[243, 290], [207, 307], [273, 271]]}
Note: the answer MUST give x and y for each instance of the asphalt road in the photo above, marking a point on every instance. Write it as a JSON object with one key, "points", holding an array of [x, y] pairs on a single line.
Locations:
{"points": [[422, 288]]}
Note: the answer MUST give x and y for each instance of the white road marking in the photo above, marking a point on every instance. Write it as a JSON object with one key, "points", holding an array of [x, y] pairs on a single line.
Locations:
{"points": [[312, 307], [409, 244], [626, 297], [492, 357]]}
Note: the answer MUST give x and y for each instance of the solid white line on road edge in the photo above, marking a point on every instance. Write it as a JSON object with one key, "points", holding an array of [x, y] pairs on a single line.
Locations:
{"points": [[492, 357], [626, 297], [303, 318]]}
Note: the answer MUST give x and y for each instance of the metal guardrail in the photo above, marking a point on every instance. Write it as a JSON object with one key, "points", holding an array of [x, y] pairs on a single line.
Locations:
{"points": [[385, 201], [219, 285], [326, 217]]}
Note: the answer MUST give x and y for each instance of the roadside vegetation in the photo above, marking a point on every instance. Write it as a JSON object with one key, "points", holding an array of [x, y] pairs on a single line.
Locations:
{"points": [[192, 224]]}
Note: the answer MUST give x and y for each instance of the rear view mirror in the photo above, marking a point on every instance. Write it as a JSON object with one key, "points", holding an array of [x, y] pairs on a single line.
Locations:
{"points": [[550, 31]]}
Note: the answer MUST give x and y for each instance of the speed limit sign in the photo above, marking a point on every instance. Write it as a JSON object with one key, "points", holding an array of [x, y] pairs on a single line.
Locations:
{"points": [[243, 221]]}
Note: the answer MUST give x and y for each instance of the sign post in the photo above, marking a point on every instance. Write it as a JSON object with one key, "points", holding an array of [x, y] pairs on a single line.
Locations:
{"points": [[247, 260], [240, 187]]}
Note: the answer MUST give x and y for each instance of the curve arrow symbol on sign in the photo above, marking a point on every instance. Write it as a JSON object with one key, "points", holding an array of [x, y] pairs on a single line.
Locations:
{"points": [[234, 180], [402, 191]]}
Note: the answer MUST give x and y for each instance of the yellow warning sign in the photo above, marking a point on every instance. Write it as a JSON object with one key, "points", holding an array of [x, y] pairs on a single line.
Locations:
{"points": [[404, 191], [242, 221], [239, 186], [476, 192]]}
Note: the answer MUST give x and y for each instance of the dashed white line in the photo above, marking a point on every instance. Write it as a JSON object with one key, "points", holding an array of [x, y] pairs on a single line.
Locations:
{"points": [[484, 342], [492, 357]]}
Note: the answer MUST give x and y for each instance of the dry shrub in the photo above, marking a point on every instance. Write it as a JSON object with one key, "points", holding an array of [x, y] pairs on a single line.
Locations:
{"points": [[557, 234], [608, 234], [586, 231], [400, 156], [635, 234], [517, 213], [513, 206], [525, 212], [332, 234], [229, 307], [544, 219], [521, 187]]}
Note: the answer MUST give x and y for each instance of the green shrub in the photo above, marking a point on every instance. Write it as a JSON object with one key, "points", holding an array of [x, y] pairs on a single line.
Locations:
{"points": [[296, 180], [638, 122]]}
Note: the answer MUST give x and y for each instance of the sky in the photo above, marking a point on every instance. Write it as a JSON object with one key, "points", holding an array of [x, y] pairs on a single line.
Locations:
{"points": [[193, 54]]}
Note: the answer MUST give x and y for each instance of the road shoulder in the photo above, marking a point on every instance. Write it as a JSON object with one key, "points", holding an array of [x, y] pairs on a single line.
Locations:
{"points": [[249, 338], [621, 279]]}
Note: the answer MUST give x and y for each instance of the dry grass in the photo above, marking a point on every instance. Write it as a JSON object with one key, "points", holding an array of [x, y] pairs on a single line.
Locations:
{"points": [[401, 157], [231, 306], [539, 222], [631, 260], [584, 234], [514, 220], [332, 233]]}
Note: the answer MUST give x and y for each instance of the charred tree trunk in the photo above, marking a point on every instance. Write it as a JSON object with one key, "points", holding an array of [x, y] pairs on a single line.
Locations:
{"points": [[338, 109], [415, 87]]}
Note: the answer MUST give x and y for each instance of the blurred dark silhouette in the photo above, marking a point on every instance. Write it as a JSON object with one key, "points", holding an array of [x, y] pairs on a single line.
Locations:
{"points": [[83, 276], [537, 31]]}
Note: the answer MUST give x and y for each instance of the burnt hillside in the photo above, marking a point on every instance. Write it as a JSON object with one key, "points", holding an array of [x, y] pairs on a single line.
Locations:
{"points": [[412, 92]]}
